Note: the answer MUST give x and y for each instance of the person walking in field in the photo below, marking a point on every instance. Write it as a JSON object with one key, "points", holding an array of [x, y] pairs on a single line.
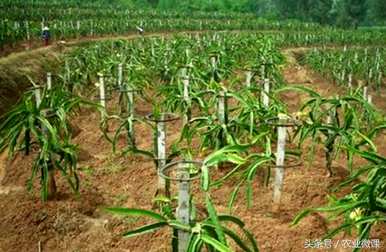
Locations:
{"points": [[46, 35], [140, 30]]}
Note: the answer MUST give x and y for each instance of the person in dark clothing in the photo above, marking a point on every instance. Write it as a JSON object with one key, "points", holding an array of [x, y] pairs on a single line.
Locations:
{"points": [[46, 35]]}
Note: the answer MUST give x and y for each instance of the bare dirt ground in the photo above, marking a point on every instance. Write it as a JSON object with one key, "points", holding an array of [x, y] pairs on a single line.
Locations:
{"points": [[81, 224]]}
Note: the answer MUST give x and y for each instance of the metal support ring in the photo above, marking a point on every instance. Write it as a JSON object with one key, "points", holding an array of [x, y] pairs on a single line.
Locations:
{"points": [[294, 162], [291, 122], [127, 90], [163, 170], [207, 92], [48, 113], [168, 117], [36, 87], [107, 98], [122, 90]]}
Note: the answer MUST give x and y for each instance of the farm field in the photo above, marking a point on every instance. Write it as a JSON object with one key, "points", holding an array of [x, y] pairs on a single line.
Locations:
{"points": [[209, 133]]}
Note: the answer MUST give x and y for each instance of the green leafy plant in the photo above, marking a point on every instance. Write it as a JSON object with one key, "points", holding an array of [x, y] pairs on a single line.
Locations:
{"points": [[365, 205], [48, 127], [362, 64], [334, 122], [209, 234]]}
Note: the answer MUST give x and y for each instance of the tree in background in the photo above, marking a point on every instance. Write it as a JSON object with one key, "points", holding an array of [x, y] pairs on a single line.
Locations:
{"points": [[321, 11], [377, 11], [306, 10], [351, 13], [266, 8], [166, 4], [153, 3], [136, 3], [344, 13], [208, 5], [286, 8]]}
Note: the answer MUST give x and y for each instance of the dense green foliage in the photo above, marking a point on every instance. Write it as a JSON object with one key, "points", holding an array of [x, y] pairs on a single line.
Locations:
{"points": [[363, 66], [340, 12], [24, 20], [122, 16]]}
